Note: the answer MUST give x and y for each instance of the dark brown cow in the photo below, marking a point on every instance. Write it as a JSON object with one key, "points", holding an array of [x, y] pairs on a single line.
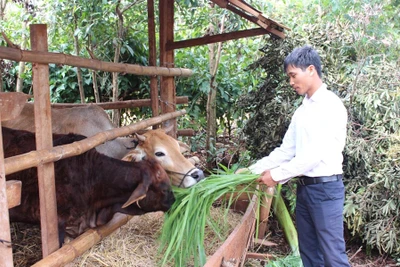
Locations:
{"points": [[91, 119], [90, 188]]}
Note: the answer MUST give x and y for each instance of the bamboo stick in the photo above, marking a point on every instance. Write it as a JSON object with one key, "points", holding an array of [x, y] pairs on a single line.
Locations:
{"points": [[34, 158], [120, 104], [264, 212], [5, 235], [78, 246], [94, 64]]}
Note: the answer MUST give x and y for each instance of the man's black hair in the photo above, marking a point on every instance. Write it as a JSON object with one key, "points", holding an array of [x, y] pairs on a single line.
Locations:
{"points": [[302, 57]]}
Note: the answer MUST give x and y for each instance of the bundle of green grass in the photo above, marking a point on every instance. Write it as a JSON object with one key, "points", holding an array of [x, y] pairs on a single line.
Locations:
{"points": [[182, 237]]}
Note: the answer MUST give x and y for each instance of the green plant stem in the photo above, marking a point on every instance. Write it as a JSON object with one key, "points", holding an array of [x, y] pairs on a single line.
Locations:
{"points": [[284, 219]]}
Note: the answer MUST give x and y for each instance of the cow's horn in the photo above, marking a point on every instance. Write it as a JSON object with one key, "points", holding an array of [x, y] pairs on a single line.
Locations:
{"points": [[141, 138]]}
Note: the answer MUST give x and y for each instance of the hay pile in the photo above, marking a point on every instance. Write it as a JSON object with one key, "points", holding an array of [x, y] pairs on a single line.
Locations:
{"points": [[134, 244]]}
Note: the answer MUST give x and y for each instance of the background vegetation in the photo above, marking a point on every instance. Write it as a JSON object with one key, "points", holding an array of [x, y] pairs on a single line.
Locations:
{"points": [[358, 41]]}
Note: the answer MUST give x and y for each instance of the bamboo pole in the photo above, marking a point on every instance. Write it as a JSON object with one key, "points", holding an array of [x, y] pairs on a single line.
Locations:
{"points": [[167, 84], [44, 140], [5, 235], [94, 64], [78, 246], [120, 104], [35, 158], [265, 209]]}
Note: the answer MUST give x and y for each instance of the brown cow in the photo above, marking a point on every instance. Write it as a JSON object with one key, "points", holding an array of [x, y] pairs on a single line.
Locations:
{"points": [[90, 188], [167, 151]]}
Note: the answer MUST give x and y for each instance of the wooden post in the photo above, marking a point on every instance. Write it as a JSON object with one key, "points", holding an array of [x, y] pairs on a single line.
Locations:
{"points": [[152, 59], [167, 84], [44, 140], [265, 209], [6, 257]]}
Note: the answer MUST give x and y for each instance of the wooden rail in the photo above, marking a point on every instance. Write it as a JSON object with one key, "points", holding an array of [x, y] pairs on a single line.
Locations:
{"points": [[94, 64]]}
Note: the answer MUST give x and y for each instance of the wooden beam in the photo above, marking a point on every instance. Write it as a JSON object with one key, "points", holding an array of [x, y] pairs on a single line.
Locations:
{"points": [[13, 193], [94, 64], [5, 235], [246, 7], [265, 23], [44, 140], [264, 211], [120, 104], [216, 38], [221, 3], [167, 84]]}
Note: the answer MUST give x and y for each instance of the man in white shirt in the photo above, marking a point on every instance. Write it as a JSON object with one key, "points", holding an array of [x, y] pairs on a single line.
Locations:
{"points": [[312, 150]]}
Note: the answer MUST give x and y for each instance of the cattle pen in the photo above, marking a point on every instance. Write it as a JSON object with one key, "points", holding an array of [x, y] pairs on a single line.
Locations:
{"points": [[45, 155], [163, 105]]}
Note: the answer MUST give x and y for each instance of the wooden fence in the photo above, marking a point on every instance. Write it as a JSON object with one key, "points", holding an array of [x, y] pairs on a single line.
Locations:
{"points": [[45, 155]]}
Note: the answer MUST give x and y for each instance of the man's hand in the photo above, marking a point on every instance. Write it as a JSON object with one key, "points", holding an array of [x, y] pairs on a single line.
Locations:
{"points": [[266, 178]]}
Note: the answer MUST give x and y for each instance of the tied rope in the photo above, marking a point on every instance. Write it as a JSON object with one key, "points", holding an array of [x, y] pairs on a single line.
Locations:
{"points": [[184, 174]]}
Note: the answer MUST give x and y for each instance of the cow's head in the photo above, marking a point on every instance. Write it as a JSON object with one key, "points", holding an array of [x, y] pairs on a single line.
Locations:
{"points": [[168, 152]]}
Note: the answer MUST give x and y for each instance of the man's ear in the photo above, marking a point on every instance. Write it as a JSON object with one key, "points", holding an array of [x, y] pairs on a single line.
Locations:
{"points": [[311, 70]]}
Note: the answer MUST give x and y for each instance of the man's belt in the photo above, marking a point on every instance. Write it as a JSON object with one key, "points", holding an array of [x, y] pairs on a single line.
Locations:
{"points": [[305, 180]]}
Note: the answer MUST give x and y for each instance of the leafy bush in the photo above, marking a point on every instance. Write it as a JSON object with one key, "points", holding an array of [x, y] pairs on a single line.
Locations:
{"points": [[368, 83]]}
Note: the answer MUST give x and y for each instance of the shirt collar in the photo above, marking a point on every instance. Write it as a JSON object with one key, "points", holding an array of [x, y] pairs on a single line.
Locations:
{"points": [[317, 95]]}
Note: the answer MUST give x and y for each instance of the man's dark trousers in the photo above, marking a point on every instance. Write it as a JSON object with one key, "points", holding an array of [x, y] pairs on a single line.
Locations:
{"points": [[319, 221]]}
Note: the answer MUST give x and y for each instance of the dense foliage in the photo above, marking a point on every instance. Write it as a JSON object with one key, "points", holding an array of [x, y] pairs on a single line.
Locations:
{"points": [[361, 65]]}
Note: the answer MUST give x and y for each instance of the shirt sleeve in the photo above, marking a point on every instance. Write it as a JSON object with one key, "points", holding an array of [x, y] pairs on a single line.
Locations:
{"points": [[284, 153]]}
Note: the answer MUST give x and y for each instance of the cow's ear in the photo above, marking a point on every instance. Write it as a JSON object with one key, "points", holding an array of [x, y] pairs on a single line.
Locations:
{"points": [[130, 156], [183, 147], [138, 194]]}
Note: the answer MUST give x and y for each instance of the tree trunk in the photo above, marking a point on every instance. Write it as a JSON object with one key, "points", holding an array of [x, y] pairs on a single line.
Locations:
{"points": [[212, 97], [120, 34], [3, 4], [21, 64], [78, 70], [94, 74], [95, 87]]}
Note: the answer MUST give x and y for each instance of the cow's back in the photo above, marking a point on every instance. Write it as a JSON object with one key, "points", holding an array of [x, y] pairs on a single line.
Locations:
{"points": [[86, 120]]}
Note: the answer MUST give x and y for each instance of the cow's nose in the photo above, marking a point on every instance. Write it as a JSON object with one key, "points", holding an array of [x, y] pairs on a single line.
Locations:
{"points": [[198, 175]]}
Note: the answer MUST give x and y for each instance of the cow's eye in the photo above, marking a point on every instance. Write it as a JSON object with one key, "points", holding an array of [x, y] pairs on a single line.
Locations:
{"points": [[159, 154]]}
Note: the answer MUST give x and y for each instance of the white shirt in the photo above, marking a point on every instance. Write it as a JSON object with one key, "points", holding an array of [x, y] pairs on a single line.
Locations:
{"points": [[313, 143]]}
